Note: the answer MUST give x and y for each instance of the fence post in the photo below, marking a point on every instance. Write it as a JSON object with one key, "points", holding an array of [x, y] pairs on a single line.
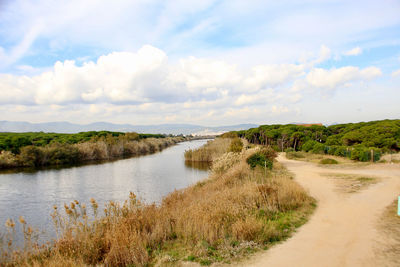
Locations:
{"points": [[265, 169], [372, 155]]}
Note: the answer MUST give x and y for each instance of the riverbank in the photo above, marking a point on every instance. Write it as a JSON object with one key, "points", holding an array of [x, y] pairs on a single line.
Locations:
{"points": [[236, 211], [103, 148]]}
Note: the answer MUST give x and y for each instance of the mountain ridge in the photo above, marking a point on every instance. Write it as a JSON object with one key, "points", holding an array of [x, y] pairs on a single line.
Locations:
{"points": [[68, 127]]}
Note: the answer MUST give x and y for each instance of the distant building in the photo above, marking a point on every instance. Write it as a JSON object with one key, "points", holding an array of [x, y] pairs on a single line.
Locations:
{"points": [[309, 124]]}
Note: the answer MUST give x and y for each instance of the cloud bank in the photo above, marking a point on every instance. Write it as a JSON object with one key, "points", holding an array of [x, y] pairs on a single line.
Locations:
{"points": [[147, 83]]}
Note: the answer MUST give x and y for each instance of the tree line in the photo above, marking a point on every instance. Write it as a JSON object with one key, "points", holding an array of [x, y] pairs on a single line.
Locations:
{"points": [[353, 140]]}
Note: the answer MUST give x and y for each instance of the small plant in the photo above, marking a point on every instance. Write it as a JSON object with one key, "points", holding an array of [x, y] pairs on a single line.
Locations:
{"points": [[263, 158], [295, 155], [328, 161]]}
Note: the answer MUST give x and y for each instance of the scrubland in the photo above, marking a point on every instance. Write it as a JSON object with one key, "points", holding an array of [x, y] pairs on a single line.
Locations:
{"points": [[234, 212]]}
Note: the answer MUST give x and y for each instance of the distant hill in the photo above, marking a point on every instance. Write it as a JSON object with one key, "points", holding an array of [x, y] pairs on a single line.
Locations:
{"points": [[67, 127]]}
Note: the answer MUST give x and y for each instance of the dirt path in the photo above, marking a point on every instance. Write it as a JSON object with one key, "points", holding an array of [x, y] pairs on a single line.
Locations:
{"points": [[343, 229]]}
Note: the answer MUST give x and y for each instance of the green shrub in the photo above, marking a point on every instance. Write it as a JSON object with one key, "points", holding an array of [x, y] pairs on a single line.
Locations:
{"points": [[331, 150], [328, 161], [263, 158], [259, 159], [342, 151], [318, 148], [308, 146], [236, 145]]}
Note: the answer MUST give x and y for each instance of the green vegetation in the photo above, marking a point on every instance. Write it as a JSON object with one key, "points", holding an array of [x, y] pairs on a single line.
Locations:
{"points": [[328, 161], [233, 213], [352, 140], [47, 149], [263, 158]]}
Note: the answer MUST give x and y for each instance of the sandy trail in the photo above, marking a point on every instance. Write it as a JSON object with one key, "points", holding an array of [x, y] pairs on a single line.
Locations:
{"points": [[343, 229]]}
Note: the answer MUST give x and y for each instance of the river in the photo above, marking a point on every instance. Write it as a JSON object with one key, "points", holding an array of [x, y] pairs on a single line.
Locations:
{"points": [[150, 177]]}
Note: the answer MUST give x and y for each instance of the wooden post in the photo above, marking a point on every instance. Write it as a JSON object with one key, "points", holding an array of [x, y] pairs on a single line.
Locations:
{"points": [[372, 155]]}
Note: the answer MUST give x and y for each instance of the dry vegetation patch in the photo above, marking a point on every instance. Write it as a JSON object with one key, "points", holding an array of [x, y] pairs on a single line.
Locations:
{"points": [[351, 183], [315, 158], [388, 251], [390, 158], [236, 211], [210, 151]]}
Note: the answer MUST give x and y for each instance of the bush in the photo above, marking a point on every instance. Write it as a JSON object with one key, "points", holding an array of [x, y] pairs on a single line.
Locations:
{"points": [[236, 145], [342, 151], [309, 145], [31, 156], [269, 152], [263, 158], [318, 148], [328, 161]]}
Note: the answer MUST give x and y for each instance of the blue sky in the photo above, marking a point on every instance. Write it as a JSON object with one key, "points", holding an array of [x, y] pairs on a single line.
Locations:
{"points": [[202, 62]]}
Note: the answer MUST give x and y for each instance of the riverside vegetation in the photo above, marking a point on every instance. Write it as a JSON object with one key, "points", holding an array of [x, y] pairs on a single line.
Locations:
{"points": [[237, 210], [47, 149]]}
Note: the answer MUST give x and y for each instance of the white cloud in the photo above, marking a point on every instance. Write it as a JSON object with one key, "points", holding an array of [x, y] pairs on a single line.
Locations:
{"points": [[272, 75], [145, 86], [279, 109], [334, 78], [146, 76], [324, 54], [353, 52], [396, 73]]}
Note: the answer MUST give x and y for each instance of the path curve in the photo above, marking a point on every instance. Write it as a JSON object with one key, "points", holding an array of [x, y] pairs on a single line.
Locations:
{"points": [[342, 230]]}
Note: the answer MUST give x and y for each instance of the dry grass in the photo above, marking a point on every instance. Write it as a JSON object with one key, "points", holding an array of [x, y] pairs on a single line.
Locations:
{"points": [[104, 149], [210, 151], [315, 158], [351, 183], [389, 229], [236, 211], [391, 158]]}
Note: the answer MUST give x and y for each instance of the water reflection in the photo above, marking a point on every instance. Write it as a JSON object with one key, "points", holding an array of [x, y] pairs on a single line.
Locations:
{"points": [[34, 193], [198, 165]]}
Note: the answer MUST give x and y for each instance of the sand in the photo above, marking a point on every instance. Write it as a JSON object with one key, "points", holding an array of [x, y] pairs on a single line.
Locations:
{"points": [[343, 229]]}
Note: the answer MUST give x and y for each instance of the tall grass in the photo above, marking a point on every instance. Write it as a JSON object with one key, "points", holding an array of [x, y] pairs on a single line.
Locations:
{"points": [[236, 210], [210, 151]]}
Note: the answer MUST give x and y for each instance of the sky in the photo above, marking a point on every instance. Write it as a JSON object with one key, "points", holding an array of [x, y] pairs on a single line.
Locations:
{"points": [[200, 62]]}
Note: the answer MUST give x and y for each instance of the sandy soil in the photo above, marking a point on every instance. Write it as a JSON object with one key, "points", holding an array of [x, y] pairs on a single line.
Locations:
{"points": [[344, 230]]}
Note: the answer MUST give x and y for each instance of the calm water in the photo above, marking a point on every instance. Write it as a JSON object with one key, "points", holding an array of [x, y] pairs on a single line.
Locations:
{"points": [[150, 177]]}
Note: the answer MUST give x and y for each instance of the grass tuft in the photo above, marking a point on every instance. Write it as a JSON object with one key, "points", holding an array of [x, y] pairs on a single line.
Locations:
{"points": [[328, 161]]}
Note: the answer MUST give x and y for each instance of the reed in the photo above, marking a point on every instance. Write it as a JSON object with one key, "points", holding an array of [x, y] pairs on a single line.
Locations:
{"points": [[210, 151], [235, 211], [102, 148]]}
